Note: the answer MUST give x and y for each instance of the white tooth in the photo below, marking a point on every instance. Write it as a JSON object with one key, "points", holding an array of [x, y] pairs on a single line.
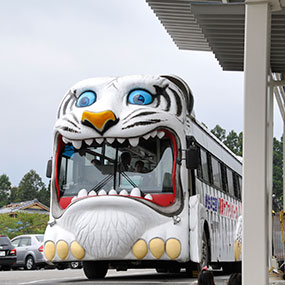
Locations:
{"points": [[102, 192], [124, 193], [92, 193], [110, 140], [112, 192], [148, 196], [73, 199], [89, 141], [153, 134], [134, 141], [82, 193], [146, 137], [136, 192], [99, 140], [121, 140], [77, 144], [160, 134], [65, 140]]}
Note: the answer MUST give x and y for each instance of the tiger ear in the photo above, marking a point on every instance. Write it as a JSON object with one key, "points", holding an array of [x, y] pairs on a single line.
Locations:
{"points": [[183, 86]]}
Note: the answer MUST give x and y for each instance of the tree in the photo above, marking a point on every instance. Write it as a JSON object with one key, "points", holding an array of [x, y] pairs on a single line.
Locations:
{"points": [[278, 170], [13, 195], [5, 188], [44, 195], [219, 132], [234, 142], [30, 187]]}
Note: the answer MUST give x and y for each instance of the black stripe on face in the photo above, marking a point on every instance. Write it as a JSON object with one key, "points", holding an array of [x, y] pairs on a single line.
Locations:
{"points": [[69, 102], [67, 129], [161, 91], [142, 114], [72, 123], [150, 122], [132, 113], [178, 102], [62, 108], [75, 118]]}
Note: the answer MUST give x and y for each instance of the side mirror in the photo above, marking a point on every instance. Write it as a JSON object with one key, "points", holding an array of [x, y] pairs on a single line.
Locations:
{"points": [[192, 157], [49, 168]]}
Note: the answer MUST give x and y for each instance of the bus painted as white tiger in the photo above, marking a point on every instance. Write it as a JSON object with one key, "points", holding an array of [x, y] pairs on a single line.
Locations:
{"points": [[137, 182]]}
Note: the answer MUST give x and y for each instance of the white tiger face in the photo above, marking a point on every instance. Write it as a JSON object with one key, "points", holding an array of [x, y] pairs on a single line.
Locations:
{"points": [[121, 107], [99, 119]]}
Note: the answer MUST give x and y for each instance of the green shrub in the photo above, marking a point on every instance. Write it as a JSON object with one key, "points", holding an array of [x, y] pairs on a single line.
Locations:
{"points": [[23, 223]]}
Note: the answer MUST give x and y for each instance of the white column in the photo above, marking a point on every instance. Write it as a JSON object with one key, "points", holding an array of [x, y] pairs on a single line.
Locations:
{"points": [[255, 208]]}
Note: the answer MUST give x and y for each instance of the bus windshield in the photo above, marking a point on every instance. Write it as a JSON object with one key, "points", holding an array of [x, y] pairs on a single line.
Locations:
{"points": [[119, 166]]}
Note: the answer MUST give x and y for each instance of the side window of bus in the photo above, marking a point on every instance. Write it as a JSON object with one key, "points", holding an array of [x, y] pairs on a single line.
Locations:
{"points": [[240, 186], [217, 181], [224, 177], [199, 169], [236, 186], [204, 164], [230, 181]]}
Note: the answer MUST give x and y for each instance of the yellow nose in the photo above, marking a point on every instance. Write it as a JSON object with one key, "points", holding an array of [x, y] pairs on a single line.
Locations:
{"points": [[101, 121]]}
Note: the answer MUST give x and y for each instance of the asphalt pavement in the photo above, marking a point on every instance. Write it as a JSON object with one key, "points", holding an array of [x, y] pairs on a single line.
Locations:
{"points": [[77, 276]]}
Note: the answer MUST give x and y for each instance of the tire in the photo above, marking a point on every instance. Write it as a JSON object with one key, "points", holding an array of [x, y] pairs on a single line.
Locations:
{"points": [[30, 263], [193, 268], [95, 269], [6, 268]]}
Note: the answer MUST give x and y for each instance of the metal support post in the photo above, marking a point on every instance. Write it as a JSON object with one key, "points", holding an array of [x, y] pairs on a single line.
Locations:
{"points": [[270, 169], [255, 171]]}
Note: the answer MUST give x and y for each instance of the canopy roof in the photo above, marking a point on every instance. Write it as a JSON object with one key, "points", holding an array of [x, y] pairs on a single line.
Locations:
{"points": [[218, 26]]}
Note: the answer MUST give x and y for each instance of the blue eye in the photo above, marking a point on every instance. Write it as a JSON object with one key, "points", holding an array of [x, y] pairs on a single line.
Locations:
{"points": [[140, 97], [87, 98]]}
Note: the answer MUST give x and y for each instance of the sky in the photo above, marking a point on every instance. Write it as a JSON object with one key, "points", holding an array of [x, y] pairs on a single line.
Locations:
{"points": [[48, 46]]}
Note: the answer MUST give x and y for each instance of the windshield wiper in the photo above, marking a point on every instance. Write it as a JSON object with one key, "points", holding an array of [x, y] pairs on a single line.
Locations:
{"points": [[102, 183], [129, 179]]}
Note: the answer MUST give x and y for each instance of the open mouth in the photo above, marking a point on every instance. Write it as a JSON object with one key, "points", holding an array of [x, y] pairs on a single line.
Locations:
{"points": [[142, 168]]}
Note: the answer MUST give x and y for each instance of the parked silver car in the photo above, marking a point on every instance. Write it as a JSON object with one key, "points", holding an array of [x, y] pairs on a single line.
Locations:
{"points": [[29, 251]]}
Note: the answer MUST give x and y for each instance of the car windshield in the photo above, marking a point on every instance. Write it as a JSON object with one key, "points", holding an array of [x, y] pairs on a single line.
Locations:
{"points": [[119, 166], [40, 238]]}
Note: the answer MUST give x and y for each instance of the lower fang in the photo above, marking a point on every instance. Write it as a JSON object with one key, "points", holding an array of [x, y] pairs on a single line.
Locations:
{"points": [[136, 192], [82, 193], [148, 196], [92, 193], [134, 141], [102, 192], [121, 140], [124, 193], [112, 192], [77, 144]]}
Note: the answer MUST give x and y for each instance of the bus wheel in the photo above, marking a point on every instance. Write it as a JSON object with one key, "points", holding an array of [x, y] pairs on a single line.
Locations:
{"points": [[95, 269]]}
